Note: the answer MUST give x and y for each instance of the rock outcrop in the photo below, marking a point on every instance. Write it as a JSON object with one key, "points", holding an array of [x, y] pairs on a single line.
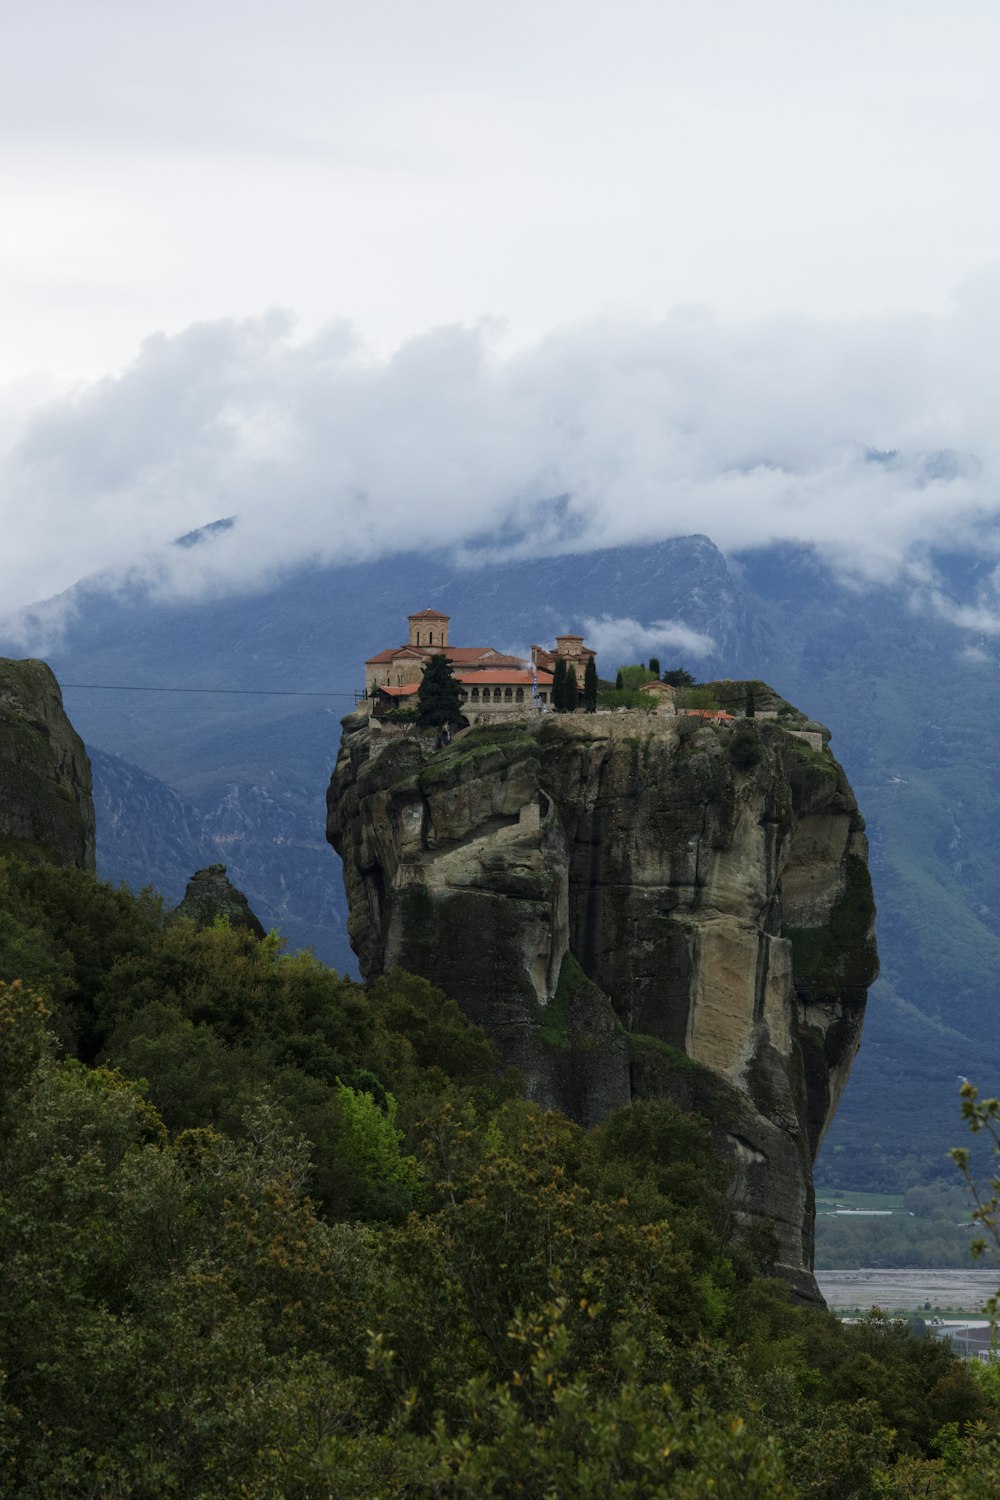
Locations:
{"points": [[633, 906], [46, 806], [211, 895]]}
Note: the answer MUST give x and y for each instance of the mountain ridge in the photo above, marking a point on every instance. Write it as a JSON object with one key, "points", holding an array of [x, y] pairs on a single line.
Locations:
{"points": [[913, 719]]}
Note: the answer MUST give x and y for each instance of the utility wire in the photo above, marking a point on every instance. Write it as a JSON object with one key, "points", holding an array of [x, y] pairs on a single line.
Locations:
{"points": [[121, 687]]}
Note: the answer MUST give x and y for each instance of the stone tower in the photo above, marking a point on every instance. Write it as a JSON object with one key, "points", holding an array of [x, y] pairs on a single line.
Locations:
{"points": [[571, 649], [429, 628]]}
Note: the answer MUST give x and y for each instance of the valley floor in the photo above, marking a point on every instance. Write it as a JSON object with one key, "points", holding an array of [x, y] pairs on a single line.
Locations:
{"points": [[908, 1290]]}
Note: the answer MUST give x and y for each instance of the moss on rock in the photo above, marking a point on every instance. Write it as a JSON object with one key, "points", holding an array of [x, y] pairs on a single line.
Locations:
{"points": [[46, 808], [839, 960]]}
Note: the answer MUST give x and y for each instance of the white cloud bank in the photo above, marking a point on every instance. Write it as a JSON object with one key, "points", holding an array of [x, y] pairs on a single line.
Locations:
{"points": [[630, 640], [873, 440]]}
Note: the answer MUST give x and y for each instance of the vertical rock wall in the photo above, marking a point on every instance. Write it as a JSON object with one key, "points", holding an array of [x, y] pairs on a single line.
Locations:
{"points": [[45, 788], [633, 906]]}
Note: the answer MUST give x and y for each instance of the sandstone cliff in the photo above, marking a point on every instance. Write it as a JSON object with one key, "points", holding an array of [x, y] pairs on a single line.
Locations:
{"points": [[45, 790], [632, 906]]}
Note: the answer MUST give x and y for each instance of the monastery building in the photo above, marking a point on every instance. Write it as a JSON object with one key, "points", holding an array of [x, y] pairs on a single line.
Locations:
{"points": [[491, 684]]}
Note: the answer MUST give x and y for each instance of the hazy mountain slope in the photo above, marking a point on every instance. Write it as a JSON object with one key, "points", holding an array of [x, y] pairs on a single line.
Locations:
{"points": [[148, 834], [915, 725]]}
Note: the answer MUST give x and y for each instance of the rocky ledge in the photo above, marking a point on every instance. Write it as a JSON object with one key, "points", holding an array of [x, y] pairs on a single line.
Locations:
{"points": [[633, 906]]}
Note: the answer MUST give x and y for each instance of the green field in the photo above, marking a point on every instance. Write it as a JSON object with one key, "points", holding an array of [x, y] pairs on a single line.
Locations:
{"points": [[921, 1227], [829, 1199]]}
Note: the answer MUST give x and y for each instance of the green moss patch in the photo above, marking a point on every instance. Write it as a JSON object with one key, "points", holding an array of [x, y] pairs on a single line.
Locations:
{"points": [[660, 1071], [840, 958], [496, 734], [448, 764], [574, 1015], [478, 750], [813, 775], [640, 1043], [556, 1028]]}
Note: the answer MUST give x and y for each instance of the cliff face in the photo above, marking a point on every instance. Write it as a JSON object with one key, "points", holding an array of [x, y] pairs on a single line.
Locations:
{"points": [[633, 907], [45, 790]]}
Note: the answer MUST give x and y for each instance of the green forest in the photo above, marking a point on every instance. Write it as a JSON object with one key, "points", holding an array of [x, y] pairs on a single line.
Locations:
{"points": [[265, 1232], [927, 1226]]}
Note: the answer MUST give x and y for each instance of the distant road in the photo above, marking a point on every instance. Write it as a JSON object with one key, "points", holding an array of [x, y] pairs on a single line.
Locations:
{"points": [[909, 1290]]}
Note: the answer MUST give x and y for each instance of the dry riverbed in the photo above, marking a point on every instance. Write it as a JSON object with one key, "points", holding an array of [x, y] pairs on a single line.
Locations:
{"points": [[908, 1291]]}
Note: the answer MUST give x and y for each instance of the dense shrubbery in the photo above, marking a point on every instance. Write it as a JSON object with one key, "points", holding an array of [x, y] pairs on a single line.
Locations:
{"points": [[626, 698], [632, 678], [745, 748], [267, 1234]]}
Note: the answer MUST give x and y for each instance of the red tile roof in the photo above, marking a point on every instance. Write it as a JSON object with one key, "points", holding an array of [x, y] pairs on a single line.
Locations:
{"points": [[428, 614], [463, 655], [391, 652], [397, 692], [484, 655], [501, 677]]}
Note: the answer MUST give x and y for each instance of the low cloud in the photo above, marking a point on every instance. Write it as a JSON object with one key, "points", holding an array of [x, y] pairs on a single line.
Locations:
{"points": [[870, 440], [623, 640], [979, 616]]}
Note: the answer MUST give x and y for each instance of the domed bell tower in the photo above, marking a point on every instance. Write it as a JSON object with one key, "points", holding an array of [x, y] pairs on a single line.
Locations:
{"points": [[429, 628]]}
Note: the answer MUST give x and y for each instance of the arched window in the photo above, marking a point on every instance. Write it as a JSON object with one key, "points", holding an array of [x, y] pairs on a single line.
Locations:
{"points": [[508, 695], [519, 695], [496, 695], [475, 695], [430, 639], [418, 637]]}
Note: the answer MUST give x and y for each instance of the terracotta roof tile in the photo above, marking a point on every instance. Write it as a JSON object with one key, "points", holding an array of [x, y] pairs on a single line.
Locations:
{"points": [[465, 655], [391, 652], [502, 676], [484, 655]]}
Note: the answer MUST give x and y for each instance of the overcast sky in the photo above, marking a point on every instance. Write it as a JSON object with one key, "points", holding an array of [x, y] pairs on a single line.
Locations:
{"points": [[341, 268]]}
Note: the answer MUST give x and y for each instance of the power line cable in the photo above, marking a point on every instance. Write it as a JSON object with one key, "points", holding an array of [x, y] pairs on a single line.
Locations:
{"points": [[123, 687]]}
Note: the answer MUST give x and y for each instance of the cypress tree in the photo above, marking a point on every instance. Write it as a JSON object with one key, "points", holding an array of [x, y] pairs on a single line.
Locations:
{"points": [[590, 686], [751, 709], [559, 687], [438, 700], [654, 665], [571, 692], [619, 681]]}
